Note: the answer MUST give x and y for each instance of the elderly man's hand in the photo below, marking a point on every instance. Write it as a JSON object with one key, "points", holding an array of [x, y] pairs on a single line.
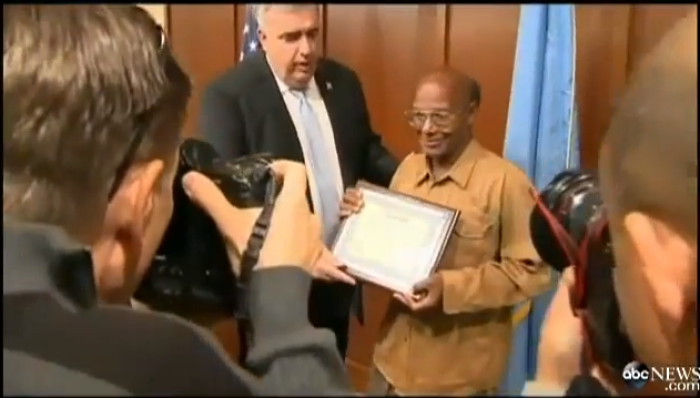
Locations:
{"points": [[426, 294], [293, 236]]}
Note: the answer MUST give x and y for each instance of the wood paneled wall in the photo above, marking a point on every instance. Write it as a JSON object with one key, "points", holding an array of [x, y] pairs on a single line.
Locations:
{"points": [[390, 46], [158, 12]]}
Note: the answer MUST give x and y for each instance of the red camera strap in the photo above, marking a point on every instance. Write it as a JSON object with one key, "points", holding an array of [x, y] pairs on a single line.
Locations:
{"points": [[578, 258]]}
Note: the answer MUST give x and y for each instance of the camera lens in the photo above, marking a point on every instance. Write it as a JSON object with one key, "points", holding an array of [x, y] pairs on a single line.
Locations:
{"points": [[571, 200]]}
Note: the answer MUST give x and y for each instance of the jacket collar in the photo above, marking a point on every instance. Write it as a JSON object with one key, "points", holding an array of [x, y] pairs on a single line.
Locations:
{"points": [[461, 170], [42, 259]]}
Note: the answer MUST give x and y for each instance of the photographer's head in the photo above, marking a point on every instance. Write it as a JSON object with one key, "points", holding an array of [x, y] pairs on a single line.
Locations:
{"points": [[93, 104], [648, 170]]}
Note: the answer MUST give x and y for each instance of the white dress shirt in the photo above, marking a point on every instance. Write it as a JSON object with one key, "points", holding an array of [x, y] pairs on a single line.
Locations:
{"points": [[314, 97]]}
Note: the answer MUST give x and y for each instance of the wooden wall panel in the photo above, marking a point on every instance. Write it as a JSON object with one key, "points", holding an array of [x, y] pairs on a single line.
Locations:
{"points": [[482, 44], [390, 46], [204, 38], [158, 12], [601, 67], [648, 23]]}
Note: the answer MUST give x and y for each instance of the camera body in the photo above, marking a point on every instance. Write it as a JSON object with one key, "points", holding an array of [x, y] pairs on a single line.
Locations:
{"points": [[191, 271], [569, 227]]}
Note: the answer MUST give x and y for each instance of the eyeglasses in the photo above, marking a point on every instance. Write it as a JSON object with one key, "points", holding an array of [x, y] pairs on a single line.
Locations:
{"points": [[137, 138], [440, 119]]}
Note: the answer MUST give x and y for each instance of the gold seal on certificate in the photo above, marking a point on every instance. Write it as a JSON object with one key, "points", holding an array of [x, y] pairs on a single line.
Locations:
{"points": [[396, 240]]}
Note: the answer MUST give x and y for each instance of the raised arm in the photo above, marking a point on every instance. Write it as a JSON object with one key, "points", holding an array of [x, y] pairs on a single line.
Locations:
{"points": [[291, 356]]}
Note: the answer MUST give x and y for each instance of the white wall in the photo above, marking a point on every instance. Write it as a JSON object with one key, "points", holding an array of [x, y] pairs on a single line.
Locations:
{"points": [[158, 11]]}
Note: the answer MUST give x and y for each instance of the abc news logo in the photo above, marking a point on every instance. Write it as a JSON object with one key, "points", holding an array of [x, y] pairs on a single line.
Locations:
{"points": [[637, 375]]}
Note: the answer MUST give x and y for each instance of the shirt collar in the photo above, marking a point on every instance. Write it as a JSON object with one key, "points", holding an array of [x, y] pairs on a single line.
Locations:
{"points": [[461, 170]]}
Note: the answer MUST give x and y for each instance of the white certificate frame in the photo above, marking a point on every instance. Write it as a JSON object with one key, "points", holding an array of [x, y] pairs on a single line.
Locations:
{"points": [[429, 223]]}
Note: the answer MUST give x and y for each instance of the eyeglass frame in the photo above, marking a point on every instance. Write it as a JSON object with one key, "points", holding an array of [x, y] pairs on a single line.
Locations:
{"points": [[136, 140], [452, 116]]}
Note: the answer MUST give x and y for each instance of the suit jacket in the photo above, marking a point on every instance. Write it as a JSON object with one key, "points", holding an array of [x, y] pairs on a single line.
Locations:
{"points": [[243, 113]]}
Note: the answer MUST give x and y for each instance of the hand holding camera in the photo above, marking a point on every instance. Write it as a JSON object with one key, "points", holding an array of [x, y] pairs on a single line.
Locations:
{"points": [[562, 341], [561, 338], [229, 217], [293, 236], [582, 332]]}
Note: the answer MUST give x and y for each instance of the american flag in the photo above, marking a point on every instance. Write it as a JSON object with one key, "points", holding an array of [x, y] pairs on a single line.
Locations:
{"points": [[250, 34]]}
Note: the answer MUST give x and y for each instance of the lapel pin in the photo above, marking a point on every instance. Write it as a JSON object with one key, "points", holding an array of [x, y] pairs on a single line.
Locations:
{"points": [[329, 86]]}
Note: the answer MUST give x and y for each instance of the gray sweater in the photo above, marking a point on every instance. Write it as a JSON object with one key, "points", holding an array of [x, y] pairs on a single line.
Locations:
{"points": [[56, 341]]}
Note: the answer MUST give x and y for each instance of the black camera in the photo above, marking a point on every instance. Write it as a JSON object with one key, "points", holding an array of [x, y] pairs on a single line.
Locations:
{"points": [[569, 227], [191, 271]]}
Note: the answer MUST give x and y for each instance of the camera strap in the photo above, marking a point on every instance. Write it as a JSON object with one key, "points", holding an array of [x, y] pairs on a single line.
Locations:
{"points": [[249, 260], [251, 254]]}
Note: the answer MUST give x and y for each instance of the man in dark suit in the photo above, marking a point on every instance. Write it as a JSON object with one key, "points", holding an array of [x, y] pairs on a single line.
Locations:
{"points": [[291, 103]]}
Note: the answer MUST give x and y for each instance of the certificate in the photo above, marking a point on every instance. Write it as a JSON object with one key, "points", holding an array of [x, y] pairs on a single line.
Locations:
{"points": [[396, 240]]}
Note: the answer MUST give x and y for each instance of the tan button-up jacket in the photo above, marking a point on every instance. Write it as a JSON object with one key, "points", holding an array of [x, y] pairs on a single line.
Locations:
{"points": [[489, 266]]}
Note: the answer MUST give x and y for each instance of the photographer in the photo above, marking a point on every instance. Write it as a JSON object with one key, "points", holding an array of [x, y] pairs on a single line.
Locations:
{"points": [[648, 180], [93, 105]]}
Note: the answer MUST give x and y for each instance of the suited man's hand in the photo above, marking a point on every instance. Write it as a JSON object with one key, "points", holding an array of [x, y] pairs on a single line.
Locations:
{"points": [[352, 202], [293, 236], [328, 268]]}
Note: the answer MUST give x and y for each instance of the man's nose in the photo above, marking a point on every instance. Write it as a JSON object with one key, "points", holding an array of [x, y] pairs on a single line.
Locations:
{"points": [[428, 126], [305, 46]]}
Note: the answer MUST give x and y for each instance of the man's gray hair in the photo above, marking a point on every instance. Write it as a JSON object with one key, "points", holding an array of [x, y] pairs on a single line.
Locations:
{"points": [[259, 10]]}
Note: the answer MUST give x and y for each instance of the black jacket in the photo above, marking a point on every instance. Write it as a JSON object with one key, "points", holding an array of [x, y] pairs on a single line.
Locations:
{"points": [[586, 386], [580, 386], [243, 113], [57, 341]]}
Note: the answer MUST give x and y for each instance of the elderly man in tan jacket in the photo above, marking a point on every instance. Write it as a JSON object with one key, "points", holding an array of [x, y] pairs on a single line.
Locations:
{"points": [[452, 337]]}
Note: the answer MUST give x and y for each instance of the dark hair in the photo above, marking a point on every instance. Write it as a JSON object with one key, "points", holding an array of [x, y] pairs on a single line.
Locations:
{"points": [[80, 82]]}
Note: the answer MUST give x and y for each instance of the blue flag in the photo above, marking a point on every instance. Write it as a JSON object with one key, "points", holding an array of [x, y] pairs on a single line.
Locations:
{"points": [[250, 34], [541, 138]]}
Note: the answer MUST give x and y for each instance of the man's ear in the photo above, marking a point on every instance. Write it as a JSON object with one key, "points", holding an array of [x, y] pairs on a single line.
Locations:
{"points": [[665, 258], [472, 110], [144, 187], [127, 216]]}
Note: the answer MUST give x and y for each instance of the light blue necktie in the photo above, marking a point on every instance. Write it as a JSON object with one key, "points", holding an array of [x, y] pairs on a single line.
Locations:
{"points": [[319, 161]]}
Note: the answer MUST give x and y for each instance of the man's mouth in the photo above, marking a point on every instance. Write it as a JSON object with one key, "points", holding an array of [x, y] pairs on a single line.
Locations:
{"points": [[303, 66], [434, 143]]}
